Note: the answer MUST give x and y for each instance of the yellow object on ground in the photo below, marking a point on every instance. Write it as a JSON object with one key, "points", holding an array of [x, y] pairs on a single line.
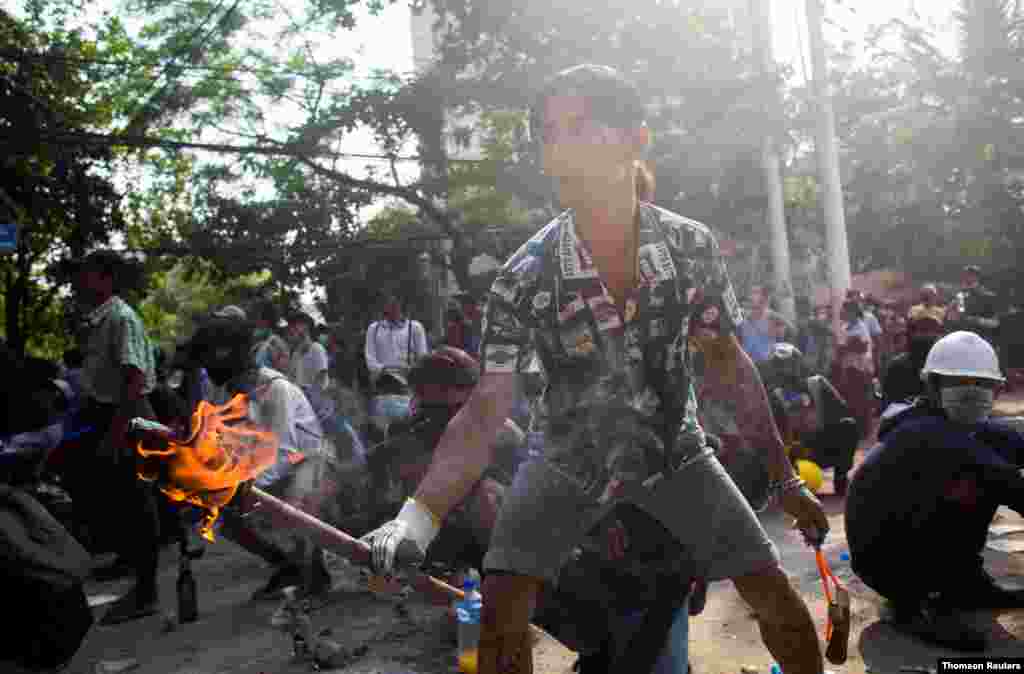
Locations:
{"points": [[468, 662], [810, 473]]}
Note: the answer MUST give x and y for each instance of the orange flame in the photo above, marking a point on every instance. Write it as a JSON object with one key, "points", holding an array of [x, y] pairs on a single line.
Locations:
{"points": [[222, 451]]}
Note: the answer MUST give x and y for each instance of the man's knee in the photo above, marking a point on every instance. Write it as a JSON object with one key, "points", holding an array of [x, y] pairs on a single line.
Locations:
{"points": [[772, 596]]}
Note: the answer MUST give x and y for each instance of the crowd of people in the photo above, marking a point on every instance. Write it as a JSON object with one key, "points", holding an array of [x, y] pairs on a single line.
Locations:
{"points": [[596, 441]]}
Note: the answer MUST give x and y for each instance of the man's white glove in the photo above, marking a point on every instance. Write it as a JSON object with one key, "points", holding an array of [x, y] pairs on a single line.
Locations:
{"points": [[405, 538]]}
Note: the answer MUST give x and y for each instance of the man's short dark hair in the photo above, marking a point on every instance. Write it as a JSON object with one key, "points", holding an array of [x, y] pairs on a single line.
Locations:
{"points": [[611, 97], [73, 358], [105, 261], [265, 311], [972, 269], [301, 317], [108, 263], [126, 272]]}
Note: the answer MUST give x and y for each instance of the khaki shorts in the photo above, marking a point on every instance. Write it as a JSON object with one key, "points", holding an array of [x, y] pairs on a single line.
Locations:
{"points": [[545, 515]]}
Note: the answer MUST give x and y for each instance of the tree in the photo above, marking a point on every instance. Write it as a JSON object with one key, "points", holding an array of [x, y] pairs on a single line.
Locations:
{"points": [[178, 298], [60, 197], [493, 221], [688, 59], [930, 144]]}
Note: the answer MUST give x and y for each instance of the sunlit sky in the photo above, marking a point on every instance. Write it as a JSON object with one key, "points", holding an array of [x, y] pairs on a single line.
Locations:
{"points": [[384, 41]]}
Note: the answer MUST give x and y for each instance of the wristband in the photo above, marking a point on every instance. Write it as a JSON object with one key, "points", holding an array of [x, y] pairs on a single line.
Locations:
{"points": [[423, 524], [779, 488], [792, 484]]}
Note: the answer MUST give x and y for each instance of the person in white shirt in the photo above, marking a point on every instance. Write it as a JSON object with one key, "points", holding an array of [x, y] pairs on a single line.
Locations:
{"points": [[223, 347], [309, 358], [394, 343]]}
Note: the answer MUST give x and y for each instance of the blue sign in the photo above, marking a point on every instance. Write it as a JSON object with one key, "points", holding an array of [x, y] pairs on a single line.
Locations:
{"points": [[8, 238]]}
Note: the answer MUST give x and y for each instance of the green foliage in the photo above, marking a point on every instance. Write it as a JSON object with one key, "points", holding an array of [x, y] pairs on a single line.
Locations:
{"points": [[179, 297], [60, 195], [930, 150]]}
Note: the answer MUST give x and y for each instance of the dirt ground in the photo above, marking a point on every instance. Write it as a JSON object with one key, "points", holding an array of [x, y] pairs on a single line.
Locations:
{"points": [[234, 634]]}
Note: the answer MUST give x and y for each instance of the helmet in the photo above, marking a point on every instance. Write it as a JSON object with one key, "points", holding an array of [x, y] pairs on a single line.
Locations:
{"points": [[962, 354], [446, 366]]}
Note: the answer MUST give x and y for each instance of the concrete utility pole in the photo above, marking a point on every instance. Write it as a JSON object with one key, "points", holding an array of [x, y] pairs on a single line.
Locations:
{"points": [[761, 33], [828, 156]]}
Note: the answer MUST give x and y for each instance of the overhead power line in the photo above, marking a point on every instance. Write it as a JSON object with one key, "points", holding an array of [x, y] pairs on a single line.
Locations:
{"points": [[188, 46], [223, 71], [83, 138]]}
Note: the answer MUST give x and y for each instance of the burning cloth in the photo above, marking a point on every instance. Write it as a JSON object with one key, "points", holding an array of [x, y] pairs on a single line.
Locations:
{"points": [[267, 432]]}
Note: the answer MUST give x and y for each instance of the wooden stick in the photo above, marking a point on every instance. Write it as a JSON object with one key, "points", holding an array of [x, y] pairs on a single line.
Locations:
{"points": [[343, 544]]}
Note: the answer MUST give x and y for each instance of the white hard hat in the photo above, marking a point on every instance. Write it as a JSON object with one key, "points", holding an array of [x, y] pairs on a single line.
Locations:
{"points": [[963, 354]]}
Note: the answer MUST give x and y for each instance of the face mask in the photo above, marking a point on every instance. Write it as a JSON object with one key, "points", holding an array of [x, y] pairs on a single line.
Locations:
{"points": [[967, 404]]}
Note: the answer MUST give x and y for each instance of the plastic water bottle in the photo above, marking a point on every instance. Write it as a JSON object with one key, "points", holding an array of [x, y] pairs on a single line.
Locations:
{"points": [[775, 669], [467, 611]]}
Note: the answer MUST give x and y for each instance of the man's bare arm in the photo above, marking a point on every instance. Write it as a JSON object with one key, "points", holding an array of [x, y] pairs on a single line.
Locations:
{"points": [[465, 449], [736, 371]]}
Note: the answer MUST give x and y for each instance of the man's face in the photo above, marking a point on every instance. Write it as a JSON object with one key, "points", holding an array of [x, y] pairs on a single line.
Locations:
{"points": [[93, 286], [821, 315], [577, 147], [297, 331], [970, 280], [758, 297], [281, 361], [392, 311], [929, 296]]}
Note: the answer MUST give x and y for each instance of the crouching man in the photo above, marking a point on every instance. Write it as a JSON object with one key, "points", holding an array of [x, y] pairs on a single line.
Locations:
{"points": [[442, 382], [223, 347], [602, 295], [919, 507]]}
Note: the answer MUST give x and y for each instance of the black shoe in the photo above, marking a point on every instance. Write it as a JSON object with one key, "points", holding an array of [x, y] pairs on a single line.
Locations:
{"points": [[981, 591], [944, 627], [115, 570], [286, 576], [131, 606]]}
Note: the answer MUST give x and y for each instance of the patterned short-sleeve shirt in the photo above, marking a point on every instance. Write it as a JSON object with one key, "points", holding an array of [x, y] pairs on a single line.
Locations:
{"points": [[620, 396], [116, 338]]}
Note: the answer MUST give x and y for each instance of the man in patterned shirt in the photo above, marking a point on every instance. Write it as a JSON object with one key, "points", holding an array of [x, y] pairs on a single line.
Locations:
{"points": [[603, 295], [118, 375]]}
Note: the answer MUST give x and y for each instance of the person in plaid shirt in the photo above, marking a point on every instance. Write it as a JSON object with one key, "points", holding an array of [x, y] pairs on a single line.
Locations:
{"points": [[603, 295]]}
